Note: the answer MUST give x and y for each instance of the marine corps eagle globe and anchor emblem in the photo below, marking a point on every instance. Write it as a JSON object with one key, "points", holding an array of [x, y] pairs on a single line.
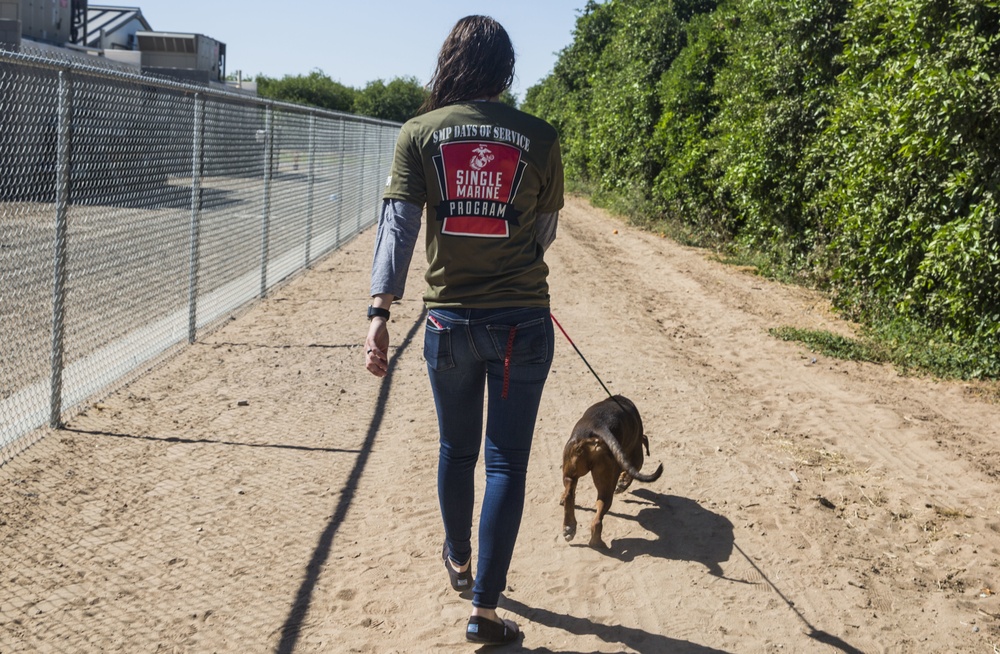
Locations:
{"points": [[483, 157]]}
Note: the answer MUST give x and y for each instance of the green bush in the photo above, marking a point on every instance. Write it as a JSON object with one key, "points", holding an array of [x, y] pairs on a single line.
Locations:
{"points": [[683, 189], [399, 100], [851, 145], [775, 90], [913, 149], [564, 97], [645, 37], [315, 89]]}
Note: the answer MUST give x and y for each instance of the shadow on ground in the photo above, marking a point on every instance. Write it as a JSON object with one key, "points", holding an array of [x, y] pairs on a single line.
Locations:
{"points": [[683, 530], [637, 639], [291, 629]]}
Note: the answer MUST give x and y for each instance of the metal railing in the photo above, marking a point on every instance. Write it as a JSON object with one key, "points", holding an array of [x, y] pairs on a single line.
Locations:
{"points": [[136, 212]]}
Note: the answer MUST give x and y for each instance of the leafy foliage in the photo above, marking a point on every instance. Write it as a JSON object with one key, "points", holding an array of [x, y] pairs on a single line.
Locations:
{"points": [[645, 37], [315, 89], [603, 95], [853, 145], [913, 143], [508, 98], [774, 89], [564, 97], [398, 100], [684, 186]]}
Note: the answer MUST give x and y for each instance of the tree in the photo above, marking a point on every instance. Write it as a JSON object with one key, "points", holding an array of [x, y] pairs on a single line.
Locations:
{"points": [[564, 97], [508, 98], [684, 187], [398, 100], [913, 196], [775, 92], [850, 143], [315, 89]]}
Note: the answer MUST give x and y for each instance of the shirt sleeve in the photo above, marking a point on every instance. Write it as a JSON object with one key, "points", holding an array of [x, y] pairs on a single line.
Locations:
{"points": [[398, 227], [545, 228], [406, 177], [550, 199]]}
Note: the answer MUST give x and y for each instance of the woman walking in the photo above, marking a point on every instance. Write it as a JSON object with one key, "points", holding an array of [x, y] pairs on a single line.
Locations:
{"points": [[491, 180]]}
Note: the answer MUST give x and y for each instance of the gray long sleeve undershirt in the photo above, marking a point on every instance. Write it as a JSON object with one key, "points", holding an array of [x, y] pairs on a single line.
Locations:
{"points": [[398, 227]]}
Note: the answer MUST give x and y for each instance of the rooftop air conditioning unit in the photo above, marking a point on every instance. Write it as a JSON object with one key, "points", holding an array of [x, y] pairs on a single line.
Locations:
{"points": [[52, 21], [10, 23], [188, 56]]}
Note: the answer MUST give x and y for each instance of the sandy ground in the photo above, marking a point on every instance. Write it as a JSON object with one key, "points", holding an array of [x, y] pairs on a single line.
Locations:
{"points": [[261, 492]]}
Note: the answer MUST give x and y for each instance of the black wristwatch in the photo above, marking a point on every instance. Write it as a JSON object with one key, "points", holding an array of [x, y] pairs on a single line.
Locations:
{"points": [[377, 311]]}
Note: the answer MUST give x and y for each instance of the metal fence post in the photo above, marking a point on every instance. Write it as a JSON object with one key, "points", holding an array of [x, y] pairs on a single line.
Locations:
{"points": [[197, 170], [59, 264], [379, 179], [339, 213], [312, 186], [266, 218], [364, 170]]}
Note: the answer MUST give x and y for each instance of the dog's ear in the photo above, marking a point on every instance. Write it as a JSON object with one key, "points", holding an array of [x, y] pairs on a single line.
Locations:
{"points": [[645, 441]]}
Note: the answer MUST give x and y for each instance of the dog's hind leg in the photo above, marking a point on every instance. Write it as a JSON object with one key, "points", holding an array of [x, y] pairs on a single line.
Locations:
{"points": [[576, 464], [605, 475], [569, 507], [604, 499]]}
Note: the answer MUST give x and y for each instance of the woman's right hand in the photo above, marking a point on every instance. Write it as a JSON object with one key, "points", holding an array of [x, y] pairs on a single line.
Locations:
{"points": [[377, 347]]}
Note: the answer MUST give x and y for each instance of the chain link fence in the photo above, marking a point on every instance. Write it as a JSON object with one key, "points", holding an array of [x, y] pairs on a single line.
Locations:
{"points": [[136, 212]]}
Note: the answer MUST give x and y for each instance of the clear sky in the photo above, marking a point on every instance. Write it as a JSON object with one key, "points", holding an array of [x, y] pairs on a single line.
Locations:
{"points": [[358, 41]]}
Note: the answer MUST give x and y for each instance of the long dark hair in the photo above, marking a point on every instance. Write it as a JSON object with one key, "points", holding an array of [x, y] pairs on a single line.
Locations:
{"points": [[476, 61]]}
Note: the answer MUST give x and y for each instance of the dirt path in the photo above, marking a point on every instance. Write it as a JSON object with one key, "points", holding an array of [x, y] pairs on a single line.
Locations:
{"points": [[261, 492]]}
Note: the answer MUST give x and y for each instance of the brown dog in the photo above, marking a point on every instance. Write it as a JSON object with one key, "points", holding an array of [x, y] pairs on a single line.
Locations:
{"points": [[607, 442]]}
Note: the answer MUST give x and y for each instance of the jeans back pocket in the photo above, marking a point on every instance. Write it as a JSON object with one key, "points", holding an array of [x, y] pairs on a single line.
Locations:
{"points": [[437, 346], [524, 343]]}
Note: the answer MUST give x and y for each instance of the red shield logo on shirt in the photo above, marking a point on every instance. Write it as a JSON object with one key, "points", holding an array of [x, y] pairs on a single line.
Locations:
{"points": [[478, 181]]}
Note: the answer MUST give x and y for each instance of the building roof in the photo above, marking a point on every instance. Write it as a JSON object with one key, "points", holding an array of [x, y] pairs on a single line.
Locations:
{"points": [[109, 19]]}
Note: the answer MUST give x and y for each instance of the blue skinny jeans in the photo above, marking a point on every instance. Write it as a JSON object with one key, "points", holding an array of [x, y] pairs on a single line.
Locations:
{"points": [[509, 352]]}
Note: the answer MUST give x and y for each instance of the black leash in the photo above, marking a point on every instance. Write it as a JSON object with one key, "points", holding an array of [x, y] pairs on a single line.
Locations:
{"points": [[584, 359]]}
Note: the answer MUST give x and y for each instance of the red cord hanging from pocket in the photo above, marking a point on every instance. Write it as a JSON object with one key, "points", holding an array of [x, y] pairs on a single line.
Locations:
{"points": [[506, 362]]}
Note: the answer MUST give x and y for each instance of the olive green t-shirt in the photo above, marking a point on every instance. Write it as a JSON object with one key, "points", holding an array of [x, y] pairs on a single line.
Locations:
{"points": [[484, 170]]}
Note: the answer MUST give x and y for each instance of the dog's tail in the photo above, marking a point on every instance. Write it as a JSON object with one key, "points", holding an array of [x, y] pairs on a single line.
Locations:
{"points": [[616, 450]]}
